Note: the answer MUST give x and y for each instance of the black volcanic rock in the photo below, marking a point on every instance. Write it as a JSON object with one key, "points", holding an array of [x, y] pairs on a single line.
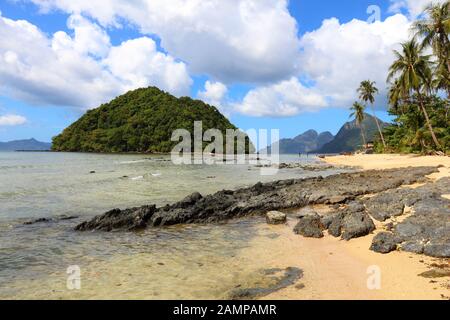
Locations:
{"points": [[130, 220], [427, 229], [384, 242], [310, 227], [262, 198]]}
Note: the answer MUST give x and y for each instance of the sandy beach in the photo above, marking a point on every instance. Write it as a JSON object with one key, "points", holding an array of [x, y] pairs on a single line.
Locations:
{"points": [[337, 269], [391, 161]]}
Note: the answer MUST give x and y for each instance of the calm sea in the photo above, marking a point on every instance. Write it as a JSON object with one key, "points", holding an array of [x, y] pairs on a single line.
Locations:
{"points": [[34, 258]]}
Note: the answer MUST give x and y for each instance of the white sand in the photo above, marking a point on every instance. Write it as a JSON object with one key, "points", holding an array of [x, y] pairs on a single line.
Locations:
{"points": [[337, 269]]}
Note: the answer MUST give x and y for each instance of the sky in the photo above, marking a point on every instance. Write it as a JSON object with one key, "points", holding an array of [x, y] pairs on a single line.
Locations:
{"points": [[266, 64]]}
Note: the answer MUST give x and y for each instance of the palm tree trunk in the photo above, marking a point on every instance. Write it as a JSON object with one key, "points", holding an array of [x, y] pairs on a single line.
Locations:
{"points": [[447, 104], [448, 65], [378, 126], [363, 135], [427, 119]]}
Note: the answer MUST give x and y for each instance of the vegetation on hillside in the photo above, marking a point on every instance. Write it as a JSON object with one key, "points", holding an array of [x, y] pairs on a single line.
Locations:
{"points": [[142, 120]]}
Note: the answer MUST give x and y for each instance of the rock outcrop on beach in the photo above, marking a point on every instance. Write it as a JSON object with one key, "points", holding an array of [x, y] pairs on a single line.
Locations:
{"points": [[426, 230], [350, 222], [259, 199]]}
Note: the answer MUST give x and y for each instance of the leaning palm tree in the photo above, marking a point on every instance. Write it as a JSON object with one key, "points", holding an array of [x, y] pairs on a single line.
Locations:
{"points": [[433, 30], [412, 70], [359, 115], [367, 91]]}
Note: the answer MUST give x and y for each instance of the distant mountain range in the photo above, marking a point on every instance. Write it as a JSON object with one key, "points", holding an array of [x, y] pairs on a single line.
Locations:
{"points": [[348, 139], [305, 143], [28, 145]]}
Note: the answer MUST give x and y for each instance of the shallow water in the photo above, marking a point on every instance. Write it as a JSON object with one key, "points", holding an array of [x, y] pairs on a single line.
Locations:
{"points": [[183, 260]]}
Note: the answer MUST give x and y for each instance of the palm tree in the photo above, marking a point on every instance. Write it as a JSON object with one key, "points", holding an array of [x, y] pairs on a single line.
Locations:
{"points": [[359, 115], [398, 97], [412, 70], [367, 91], [433, 30], [395, 96]]}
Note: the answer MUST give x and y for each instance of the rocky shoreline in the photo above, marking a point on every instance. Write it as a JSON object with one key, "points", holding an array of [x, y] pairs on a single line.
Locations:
{"points": [[352, 214]]}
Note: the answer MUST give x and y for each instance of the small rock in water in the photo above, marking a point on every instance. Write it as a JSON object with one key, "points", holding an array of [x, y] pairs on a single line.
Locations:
{"points": [[52, 219], [92, 172], [275, 217], [384, 242]]}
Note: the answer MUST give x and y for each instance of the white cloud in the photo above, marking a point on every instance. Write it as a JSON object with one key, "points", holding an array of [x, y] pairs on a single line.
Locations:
{"points": [[214, 93], [334, 59], [88, 38], [337, 57], [414, 7], [12, 120], [137, 63], [283, 99], [233, 40], [83, 69]]}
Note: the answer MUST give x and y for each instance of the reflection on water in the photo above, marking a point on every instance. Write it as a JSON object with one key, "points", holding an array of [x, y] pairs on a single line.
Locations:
{"points": [[181, 260]]}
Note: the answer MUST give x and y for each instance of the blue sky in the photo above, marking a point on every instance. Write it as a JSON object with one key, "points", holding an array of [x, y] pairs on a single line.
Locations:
{"points": [[282, 66]]}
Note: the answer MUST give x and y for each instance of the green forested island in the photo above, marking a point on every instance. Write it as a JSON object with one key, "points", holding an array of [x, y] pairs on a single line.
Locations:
{"points": [[139, 121]]}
